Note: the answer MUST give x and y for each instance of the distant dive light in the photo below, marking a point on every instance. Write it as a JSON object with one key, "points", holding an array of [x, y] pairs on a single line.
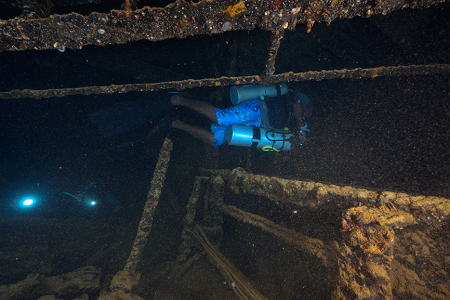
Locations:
{"points": [[28, 202]]}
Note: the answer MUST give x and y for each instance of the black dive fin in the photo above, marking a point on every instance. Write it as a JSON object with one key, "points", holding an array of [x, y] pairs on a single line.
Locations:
{"points": [[163, 124], [128, 115]]}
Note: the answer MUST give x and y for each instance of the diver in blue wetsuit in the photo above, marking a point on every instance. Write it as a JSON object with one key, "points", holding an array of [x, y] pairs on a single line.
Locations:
{"points": [[260, 118], [265, 119]]}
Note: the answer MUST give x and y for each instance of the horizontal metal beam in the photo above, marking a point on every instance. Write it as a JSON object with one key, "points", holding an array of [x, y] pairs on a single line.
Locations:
{"points": [[182, 19], [227, 81]]}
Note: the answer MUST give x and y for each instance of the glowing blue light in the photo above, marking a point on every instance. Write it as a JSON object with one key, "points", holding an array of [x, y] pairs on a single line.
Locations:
{"points": [[93, 203], [28, 202]]}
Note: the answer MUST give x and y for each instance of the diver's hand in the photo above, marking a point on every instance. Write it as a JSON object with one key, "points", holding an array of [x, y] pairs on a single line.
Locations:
{"points": [[302, 137]]}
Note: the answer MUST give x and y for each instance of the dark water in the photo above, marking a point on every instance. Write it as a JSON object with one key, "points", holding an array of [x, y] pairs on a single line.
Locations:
{"points": [[386, 133]]}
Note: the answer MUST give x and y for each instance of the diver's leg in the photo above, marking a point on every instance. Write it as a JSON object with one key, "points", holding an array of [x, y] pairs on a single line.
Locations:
{"points": [[203, 108], [197, 132]]}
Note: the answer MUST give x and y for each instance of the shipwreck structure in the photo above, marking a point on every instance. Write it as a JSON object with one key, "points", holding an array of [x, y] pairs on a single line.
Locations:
{"points": [[389, 244], [182, 19]]}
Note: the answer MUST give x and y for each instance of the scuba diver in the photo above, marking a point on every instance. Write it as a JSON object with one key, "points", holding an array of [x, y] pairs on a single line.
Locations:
{"points": [[259, 118], [88, 199], [256, 119]]}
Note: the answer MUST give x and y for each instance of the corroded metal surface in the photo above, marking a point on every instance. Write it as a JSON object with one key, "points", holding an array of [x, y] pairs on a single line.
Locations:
{"points": [[365, 256], [378, 262], [383, 214], [227, 81], [182, 19], [420, 268], [404, 209], [145, 225]]}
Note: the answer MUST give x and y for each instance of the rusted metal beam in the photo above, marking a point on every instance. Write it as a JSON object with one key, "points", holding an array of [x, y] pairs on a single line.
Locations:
{"points": [[227, 81], [124, 280], [237, 280], [402, 210], [145, 225], [189, 221], [310, 245], [272, 51], [182, 19]]}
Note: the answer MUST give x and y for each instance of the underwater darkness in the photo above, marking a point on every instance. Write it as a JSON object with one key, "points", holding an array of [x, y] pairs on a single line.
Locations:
{"points": [[384, 133]]}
